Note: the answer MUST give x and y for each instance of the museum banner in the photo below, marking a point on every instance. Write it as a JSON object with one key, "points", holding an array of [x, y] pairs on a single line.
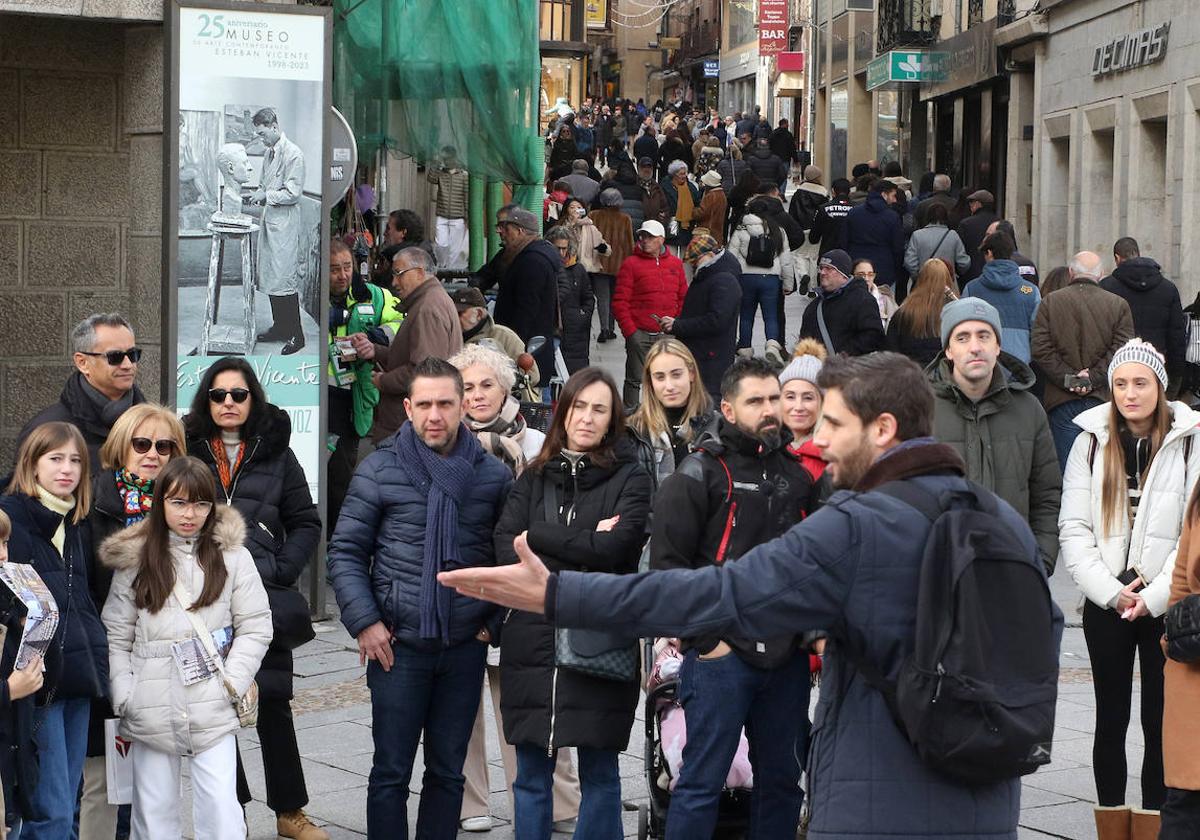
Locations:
{"points": [[246, 249]]}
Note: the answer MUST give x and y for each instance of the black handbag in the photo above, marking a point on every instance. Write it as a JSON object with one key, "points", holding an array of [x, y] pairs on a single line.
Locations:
{"points": [[604, 654], [290, 619], [1183, 630]]}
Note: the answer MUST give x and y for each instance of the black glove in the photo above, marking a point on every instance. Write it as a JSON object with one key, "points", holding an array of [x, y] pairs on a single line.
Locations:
{"points": [[337, 317]]}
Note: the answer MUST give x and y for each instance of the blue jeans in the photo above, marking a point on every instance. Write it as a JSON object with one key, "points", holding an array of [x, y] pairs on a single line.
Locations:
{"points": [[760, 291], [599, 783], [435, 694], [1063, 428], [719, 696], [62, 745]]}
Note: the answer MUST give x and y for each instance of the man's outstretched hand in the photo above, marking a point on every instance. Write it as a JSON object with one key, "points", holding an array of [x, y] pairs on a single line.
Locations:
{"points": [[521, 586]]}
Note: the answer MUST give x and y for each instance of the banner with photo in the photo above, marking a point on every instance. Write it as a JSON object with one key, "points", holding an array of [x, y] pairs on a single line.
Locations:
{"points": [[247, 249]]}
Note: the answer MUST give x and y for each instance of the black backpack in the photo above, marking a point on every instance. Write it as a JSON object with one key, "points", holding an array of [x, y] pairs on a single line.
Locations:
{"points": [[976, 697], [760, 250]]}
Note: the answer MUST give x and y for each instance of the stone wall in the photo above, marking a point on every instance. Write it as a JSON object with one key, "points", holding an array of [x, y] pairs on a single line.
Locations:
{"points": [[80, 198]]}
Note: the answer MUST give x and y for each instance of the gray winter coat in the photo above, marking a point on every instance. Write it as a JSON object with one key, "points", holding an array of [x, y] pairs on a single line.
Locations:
{"points": [[935, 241], [851, 568]]}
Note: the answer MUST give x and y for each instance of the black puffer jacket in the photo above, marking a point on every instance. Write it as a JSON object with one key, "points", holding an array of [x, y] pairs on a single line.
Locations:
{"points": [[271, 493], [767, 165], [708, 322], [576, 303], [852, 318], [543, 705], [527, 301], [1157, 311], [75, 406], [731, 494], [82, 672]]}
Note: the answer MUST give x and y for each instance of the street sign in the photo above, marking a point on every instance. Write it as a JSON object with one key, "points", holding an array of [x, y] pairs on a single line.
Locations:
{"points": [[899, 66], [712, 68], [772, 26]]}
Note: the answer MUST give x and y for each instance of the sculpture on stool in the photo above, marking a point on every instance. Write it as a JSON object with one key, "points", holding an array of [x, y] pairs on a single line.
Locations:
{"points": [[234, 166]]}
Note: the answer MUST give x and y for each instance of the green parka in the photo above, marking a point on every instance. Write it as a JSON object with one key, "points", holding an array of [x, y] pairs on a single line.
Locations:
{"points": [[1006, 443]]}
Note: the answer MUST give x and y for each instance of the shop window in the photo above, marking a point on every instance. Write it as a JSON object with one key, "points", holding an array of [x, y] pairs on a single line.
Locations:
{"points": [[741, 22], [887, 128], [838, 63], [839, 125]]}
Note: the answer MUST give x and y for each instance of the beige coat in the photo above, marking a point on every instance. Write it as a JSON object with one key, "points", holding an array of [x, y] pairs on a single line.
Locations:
{"points": [[1181, 725], [148, 693]]}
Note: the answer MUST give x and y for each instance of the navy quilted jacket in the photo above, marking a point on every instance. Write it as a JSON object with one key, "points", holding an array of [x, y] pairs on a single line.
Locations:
{"points": [[851, 568], [375, 558]]}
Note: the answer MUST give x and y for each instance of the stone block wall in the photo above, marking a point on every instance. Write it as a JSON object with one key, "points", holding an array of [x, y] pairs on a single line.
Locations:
{"points": [[80, 198]]}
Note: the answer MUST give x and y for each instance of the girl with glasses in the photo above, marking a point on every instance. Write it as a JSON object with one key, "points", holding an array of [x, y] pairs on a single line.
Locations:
{"points": [[185, 565], [48, 500], [245, 442], [140, 444]]}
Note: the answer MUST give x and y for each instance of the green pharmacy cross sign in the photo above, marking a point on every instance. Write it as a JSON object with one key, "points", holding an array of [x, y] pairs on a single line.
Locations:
{"points": [[913, 66]]}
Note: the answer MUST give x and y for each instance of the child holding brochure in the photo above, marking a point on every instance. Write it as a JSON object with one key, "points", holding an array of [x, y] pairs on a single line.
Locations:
{"points": [[183, 570]]}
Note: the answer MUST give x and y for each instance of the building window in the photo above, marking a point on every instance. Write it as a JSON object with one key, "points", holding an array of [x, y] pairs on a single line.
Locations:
{"points": [[741, 22], [555, 16]]}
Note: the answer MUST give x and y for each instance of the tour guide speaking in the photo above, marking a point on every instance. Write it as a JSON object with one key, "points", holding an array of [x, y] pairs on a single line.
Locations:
{"points": [[852, 568]]}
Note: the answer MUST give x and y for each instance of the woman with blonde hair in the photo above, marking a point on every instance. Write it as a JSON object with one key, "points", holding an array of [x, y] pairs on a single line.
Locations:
{"points": [[48, 501], [800, 401], [674, 403], [916, 328], [1125, 491], [144, 438]]}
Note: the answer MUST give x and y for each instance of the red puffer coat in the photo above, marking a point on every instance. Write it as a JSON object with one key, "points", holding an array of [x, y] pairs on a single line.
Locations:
{"points": [[648, 286]]}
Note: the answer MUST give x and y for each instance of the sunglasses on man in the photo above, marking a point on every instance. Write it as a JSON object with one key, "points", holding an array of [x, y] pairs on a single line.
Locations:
{"points": [[218, 395], [115, 357], [142, 445]]}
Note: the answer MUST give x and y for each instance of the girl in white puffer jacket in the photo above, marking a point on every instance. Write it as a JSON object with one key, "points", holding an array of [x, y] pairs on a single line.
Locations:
{"points": [[171, 700], [1125, 492]]}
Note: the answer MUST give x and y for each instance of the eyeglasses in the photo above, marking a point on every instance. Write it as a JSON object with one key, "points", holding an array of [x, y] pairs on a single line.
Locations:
{"points": [[404, 271], [182, 505], [115, 357], [218, 395], [142, 445], [864, 274]]}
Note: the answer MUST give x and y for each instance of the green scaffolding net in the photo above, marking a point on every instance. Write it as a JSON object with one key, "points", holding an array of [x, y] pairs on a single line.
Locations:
{"points": [[417, 75]]}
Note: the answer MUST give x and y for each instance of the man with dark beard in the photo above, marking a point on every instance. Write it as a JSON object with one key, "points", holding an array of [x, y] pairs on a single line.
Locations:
{"points": [[851, 568], [738, 489]]}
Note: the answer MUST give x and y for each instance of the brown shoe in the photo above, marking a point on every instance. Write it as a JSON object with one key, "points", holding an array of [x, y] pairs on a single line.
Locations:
{"points": [[1144, 824], [1113, 823], [298, 826]]}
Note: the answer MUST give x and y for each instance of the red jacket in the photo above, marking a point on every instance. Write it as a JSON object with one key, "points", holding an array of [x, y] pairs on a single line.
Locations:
{"points": [[648, 286], [811, 457]]}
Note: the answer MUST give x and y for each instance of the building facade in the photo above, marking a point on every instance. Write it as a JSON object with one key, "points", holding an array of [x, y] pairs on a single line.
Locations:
{"points": [[565, 53], [1107, 109]]}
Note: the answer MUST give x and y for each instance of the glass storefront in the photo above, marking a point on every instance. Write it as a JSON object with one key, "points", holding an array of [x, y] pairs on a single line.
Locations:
{"points": [[561, 77], [839, 124], [887, 130]]}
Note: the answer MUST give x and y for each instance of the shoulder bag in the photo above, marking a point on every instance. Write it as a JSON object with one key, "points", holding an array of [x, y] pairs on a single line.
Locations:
{"points": [[605, 654], [824, 329], [245, 705]]}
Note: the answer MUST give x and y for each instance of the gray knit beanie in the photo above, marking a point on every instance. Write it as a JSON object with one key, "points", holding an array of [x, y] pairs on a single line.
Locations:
{"points": [[1142, 352], [807, 363], [968, 309]]}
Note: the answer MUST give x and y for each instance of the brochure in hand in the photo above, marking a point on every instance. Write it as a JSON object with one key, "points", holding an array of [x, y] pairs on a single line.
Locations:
{"points": [[41, 612]]}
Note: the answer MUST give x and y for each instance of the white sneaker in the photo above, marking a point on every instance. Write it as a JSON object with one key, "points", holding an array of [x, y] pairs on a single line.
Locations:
{"points": [[483, 823], [774, 353]]}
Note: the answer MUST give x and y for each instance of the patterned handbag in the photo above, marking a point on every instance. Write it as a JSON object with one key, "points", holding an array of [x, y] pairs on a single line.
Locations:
{"points": [[605, 654], [596, 653]]}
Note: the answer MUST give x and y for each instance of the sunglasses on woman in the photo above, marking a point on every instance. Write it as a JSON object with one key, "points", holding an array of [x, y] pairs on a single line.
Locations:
{"points": [[142, 445], [218, 395]]}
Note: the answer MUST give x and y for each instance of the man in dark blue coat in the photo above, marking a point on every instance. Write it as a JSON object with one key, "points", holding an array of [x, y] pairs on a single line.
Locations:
{"points": [[852, 568], [874, 232], [425, 501], [707, 324]]}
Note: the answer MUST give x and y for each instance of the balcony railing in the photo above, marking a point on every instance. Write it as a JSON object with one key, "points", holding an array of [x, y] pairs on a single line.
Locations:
{"points": [[904, 23], [695, 42]]}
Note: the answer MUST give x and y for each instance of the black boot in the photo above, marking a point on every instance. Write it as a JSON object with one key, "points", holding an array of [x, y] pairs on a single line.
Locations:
{"points": [[295, 336], [279, 323]]}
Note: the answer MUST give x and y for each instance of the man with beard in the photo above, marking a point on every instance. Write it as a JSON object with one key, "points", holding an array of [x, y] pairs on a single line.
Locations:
{"points": [[738, 489], [852, 568]]}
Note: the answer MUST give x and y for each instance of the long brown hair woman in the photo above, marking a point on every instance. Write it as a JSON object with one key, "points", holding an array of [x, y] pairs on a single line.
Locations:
{"points": [[915, 328]]}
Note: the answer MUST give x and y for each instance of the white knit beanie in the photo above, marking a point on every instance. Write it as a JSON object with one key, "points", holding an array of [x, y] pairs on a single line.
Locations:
{"points": [[808, 358], [1142, 352]]}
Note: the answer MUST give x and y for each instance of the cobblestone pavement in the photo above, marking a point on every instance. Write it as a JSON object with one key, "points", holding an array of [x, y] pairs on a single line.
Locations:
{"points": [[333, 720]]}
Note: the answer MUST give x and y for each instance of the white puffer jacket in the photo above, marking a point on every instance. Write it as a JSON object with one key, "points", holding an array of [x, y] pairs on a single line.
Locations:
{"points": [[1095, 560], [739, 244], [148, 693]]}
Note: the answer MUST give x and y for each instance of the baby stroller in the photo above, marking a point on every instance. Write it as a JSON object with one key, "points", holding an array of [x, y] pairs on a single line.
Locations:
{"points": [[662, 707]]}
